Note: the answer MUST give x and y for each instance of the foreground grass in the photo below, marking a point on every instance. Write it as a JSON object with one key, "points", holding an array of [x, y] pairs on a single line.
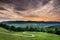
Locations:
{"points": [[38, 36]]}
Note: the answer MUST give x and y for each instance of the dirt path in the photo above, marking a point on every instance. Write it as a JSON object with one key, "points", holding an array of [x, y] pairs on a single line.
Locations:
{"points": [[23, 35], [31, 35]]}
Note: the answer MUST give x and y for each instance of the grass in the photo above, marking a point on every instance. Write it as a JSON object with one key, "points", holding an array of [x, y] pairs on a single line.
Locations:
{"points": [[3, 30], [38, 35]]}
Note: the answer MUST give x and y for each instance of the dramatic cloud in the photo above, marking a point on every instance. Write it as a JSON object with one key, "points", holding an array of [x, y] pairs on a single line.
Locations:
{"points": [[34, 10]]}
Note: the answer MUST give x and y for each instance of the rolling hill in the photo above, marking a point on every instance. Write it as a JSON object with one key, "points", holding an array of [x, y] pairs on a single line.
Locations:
{"points": [[3, 30], [4, 35]]}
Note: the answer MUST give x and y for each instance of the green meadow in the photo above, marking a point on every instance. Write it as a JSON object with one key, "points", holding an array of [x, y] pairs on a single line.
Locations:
{"points": [[6, 35]]}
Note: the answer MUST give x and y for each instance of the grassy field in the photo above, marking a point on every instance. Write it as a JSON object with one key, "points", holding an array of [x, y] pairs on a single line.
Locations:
{"points": [[6, 35]]}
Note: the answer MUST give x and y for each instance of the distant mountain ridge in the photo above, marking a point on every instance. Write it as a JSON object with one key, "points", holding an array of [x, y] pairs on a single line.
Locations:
{"points": [[29, 22]]}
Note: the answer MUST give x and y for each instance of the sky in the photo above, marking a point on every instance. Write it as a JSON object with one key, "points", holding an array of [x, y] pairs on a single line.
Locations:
{"points": [[30, 10]]}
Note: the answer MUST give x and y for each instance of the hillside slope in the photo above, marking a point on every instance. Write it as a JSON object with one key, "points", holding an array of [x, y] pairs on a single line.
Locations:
{"points": [[3, 30], [27, 36]]}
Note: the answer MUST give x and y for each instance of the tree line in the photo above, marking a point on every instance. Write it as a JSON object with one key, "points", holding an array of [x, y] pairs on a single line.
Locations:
{"points": [[50, 29]]}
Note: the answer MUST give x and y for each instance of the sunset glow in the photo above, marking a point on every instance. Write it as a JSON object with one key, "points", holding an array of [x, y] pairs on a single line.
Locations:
{"points": [[30, 10]]}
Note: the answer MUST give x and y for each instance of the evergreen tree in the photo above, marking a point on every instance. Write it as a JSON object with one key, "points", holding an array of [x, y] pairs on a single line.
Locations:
{"points": [[12, 28]]}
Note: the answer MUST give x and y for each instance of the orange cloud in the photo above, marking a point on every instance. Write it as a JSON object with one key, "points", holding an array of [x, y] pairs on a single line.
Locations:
{"points": [[31, 10], [42, 19]]}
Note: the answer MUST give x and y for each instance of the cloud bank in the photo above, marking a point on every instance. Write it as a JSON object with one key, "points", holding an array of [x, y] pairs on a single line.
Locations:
{"points": [[30, 10]]}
